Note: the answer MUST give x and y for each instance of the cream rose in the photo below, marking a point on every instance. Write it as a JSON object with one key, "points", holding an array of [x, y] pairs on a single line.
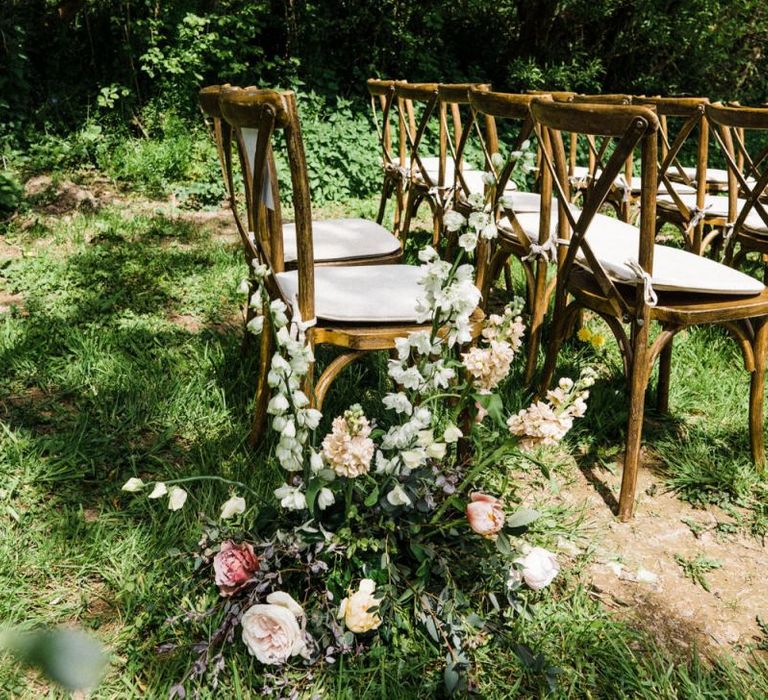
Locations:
{"points": [[539, 568], [272, 632], [355, 609]]}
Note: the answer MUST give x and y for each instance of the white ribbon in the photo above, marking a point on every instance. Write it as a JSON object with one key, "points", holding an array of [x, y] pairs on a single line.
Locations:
{"points": [[649, 294], [626, 190], [546, 252], [697, 218], [728, 231], [297, 324]]}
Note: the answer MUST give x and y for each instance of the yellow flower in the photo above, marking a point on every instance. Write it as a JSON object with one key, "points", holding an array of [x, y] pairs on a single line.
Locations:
{"points": [[584, 334], [598, 340]]}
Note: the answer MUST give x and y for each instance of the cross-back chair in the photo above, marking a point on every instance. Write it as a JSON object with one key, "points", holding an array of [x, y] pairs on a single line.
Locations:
{"points": [[337, 241], [748, 180], [356, 308], [618, 272], [623, 194], [519, 234], [394, 150], [683, 192], [433, 178]]}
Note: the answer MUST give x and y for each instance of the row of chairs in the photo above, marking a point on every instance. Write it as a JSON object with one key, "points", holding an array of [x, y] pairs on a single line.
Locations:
{"points": [[345, 276]]}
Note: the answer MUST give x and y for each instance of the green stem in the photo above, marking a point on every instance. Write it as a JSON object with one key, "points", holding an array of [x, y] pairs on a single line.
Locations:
{"points": [[223, 480], [348, 498]]}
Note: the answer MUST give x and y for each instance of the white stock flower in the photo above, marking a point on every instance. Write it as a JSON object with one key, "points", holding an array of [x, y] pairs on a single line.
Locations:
{"points": [[325, 498], [436, 450], [348, 449], [177, 497], [133, 484], [428, 254], [413, 459], [468, 241], [356, 608], [278, 405], [498, 160], [489, 232], [316, 462], [233, 506], [398, 497], [243, 287], [159, 491], [539, 568], [453, 221], [291, 497], [278, 309], [260, 271], [256, 325], [452, 434], [398, 402], [489, 179]]}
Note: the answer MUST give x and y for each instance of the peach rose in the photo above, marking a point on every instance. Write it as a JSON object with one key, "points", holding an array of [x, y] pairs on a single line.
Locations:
{"points": [[485, 514]]}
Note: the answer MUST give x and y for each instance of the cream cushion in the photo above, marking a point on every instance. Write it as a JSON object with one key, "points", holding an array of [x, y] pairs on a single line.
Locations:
{"points": [[715, 176], [581, 172], [341, 239], [361, 294], [754, 222], [472, 176], [614, 242], [714, 205]]}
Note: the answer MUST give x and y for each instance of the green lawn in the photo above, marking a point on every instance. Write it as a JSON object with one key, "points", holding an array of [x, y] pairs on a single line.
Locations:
{"points": [[124, 359]]}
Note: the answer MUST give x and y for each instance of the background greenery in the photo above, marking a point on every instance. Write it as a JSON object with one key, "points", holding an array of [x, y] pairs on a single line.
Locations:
{"points": [[112, 83]]}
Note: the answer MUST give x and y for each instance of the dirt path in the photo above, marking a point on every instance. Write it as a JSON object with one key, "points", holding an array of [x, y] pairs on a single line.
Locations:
{"points": [[635, 568]]}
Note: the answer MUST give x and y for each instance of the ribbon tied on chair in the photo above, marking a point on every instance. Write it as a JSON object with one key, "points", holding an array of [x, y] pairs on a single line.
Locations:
{"points": [[649, 293]]}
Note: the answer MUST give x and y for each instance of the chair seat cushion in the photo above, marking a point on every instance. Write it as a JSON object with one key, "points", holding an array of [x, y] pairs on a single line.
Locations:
{"points": [[342, 239], [581, 172], [714, 205], [472, 176], [361, 294], [754, 222], [614, 242], [715, 176]]}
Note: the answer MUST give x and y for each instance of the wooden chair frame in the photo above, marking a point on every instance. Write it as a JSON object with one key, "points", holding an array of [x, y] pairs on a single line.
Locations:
{"points": [[732, 123], [692, 222], [512, 241], [592, 288], [394, 163], [436, 100], [268, 112]]}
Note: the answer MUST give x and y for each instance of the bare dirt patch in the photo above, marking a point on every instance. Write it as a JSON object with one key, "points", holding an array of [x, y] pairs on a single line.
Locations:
{"points": [[635, 568]]}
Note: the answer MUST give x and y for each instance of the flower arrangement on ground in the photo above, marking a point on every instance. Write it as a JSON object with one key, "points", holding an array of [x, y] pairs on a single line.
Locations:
{"points": [[375, 522]]}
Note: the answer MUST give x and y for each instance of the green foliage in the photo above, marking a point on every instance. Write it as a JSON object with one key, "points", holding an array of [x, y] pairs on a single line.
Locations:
{"points": [[10, 194]]}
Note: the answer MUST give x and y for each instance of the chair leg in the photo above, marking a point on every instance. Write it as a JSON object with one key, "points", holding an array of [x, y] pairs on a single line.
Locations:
{"points": [[437, 224], [329, 375], [259, 420], [399, 205], [665, 370], [756, 396], [411, 204], [538, 311], [386, 191], [561, 321], [637, 386]]}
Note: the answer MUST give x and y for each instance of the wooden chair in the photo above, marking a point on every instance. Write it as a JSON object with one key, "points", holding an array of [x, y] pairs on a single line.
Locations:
{"points": [[625, 191], [747, 181], [394, 162], [358, 309], [337, 241], [618, 272], [432, 178], [519, 234]]}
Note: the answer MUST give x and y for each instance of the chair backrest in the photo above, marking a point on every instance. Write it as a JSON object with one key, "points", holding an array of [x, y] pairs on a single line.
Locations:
{"points": [[385, 112], [596, 153], [688, 112], [509, 108], [221, 131], [256, 116], [747, 171], [630, 127], [556, 95]]}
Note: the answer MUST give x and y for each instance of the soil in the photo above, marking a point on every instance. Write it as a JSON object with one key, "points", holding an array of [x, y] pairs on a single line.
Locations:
{"points": [[634, 569]]}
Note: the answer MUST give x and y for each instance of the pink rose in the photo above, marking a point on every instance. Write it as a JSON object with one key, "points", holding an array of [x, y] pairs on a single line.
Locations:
{"points": [[234, 566], [485, 514]]}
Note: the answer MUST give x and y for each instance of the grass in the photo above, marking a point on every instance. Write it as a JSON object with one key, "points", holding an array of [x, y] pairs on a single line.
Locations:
{"points": [[125, 360]]}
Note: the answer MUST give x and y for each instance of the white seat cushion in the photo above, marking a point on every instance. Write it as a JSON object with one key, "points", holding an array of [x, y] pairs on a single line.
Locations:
{"points": [[362, 294], [341, 239], [755, 223], [580, 172], [715, 176], [614, 242], [714, 205], [472, 176]]}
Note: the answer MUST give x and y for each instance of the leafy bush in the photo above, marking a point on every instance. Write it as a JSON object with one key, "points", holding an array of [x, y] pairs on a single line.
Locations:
{"points": [[10, 194]]}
